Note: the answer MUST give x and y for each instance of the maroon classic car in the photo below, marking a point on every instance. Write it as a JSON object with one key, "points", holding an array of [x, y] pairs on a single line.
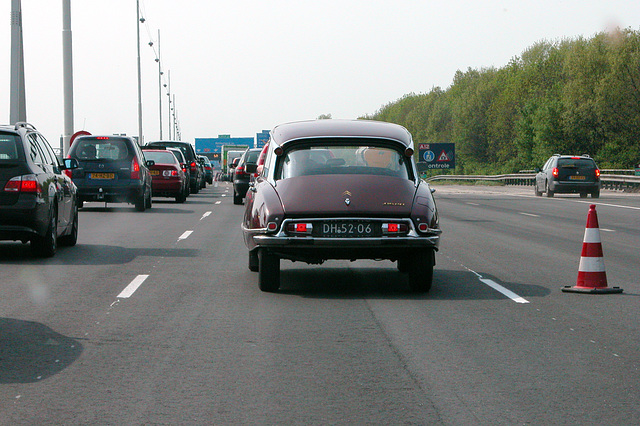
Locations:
{"points": [[340, 189]]}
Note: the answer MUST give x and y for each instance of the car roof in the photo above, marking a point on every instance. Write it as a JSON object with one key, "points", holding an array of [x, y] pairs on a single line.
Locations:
{"points": [[333, 128]]}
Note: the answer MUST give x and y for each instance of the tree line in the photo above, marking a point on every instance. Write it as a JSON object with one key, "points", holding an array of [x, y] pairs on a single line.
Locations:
{"points": [[571, 96]]}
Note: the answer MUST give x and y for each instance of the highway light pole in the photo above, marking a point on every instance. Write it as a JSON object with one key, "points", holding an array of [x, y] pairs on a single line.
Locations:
{"points": [[159, 85], [138, 22], [67, 67], [18, 104]]}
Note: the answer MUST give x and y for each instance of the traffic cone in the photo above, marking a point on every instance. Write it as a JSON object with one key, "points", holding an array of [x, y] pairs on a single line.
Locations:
{"points": [[592, 277]]}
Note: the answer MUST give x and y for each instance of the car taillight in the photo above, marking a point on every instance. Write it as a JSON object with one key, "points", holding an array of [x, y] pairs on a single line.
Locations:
{"points": [[135, 169], [240, 171], [25, 183], [193, 166], [598, 173], [394, 228], [555, 172], [169, 173], [69, 173], [300, 228]]}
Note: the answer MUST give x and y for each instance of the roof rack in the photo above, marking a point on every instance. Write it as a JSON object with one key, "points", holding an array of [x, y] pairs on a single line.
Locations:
{"points": [[23, 124]]}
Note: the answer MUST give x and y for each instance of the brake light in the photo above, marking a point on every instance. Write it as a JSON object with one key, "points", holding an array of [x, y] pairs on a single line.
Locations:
{"points": [[169, 173], [240, 171], [555, 172], [394, 228], [25, 183], [597, 173], [300, 228], [135, 168], [102, 138], [193, 166]]}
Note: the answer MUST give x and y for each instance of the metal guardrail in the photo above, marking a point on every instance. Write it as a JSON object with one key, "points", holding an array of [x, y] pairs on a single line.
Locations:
{"points": [[615, 182]]}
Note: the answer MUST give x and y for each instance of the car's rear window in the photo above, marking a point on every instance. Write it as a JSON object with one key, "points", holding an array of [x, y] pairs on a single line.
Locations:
{"points": [[252, 156], [181, 146], [160, 157], [343, 159], [580, 163], [9, 147], [102, 149]]}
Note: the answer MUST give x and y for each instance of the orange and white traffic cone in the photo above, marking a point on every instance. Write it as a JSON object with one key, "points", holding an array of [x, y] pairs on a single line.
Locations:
{"points": [[592, 277]]}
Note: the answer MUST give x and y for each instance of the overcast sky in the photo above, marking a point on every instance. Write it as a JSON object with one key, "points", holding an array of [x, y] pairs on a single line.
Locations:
{"points": [[238, 67]]}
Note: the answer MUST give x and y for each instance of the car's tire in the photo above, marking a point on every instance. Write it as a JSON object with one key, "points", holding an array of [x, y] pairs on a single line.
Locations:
{"points": [[549, 192], [71, 239], [181, 198], [141, 202], [403, 265], [254, 262], [583, 195], [269, 271], [421, 271], [595, 193], [46, 245], [195, 188], [536, 191], [237, 199]]}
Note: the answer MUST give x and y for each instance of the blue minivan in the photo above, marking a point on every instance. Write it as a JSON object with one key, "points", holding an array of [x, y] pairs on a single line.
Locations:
{"points": [[112, 169]]}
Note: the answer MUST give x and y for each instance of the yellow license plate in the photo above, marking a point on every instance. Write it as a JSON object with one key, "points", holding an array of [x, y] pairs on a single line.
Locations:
{"points": [[155, 172], [103, 175], [576, 177]]}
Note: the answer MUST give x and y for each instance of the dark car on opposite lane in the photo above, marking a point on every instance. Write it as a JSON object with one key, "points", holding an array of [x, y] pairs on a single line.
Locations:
{"points": [[568, 174], [38, 202], [111, 169], [340, 189], [241, 177]]}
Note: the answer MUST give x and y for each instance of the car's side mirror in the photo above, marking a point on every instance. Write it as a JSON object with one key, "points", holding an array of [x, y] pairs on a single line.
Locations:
{"points": [[150, 163], [70, 164], [251, 167]]}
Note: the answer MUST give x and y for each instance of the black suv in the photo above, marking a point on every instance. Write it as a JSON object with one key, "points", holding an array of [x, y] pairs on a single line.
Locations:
{"points": [[189, 153], [38, 201], [568, 174], [240, 175], [111, 169]]}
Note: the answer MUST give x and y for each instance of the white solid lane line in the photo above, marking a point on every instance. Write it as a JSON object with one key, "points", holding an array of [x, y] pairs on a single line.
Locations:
{"points": [[511, 295], [185, 235], [494, 285], [132, 287]]}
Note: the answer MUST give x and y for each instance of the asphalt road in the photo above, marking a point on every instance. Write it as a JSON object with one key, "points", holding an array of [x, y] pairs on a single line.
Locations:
{"points": [[154, 318]]}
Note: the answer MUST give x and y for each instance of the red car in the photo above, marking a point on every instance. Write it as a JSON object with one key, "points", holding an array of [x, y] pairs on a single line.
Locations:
{"points": [[168, 177], [340, 189]]}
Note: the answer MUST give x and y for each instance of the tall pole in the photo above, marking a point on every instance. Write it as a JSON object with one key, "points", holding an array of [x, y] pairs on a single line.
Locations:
{"points": [[159, 85], [140, 137], [67, 67], [18, 109], [169, 96]]}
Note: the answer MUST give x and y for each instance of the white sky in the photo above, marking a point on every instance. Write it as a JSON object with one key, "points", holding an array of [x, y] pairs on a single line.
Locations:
{"points": [[241, 66]]}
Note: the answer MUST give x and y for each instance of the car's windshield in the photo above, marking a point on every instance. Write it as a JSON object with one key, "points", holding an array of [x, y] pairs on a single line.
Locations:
{"points": [[9, 147], [102, 149], [343, 159]]}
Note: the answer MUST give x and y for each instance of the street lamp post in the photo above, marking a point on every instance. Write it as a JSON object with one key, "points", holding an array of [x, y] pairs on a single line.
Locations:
{"points": [[67, 66], [159, 85], [18, 110], [138, 21]]}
